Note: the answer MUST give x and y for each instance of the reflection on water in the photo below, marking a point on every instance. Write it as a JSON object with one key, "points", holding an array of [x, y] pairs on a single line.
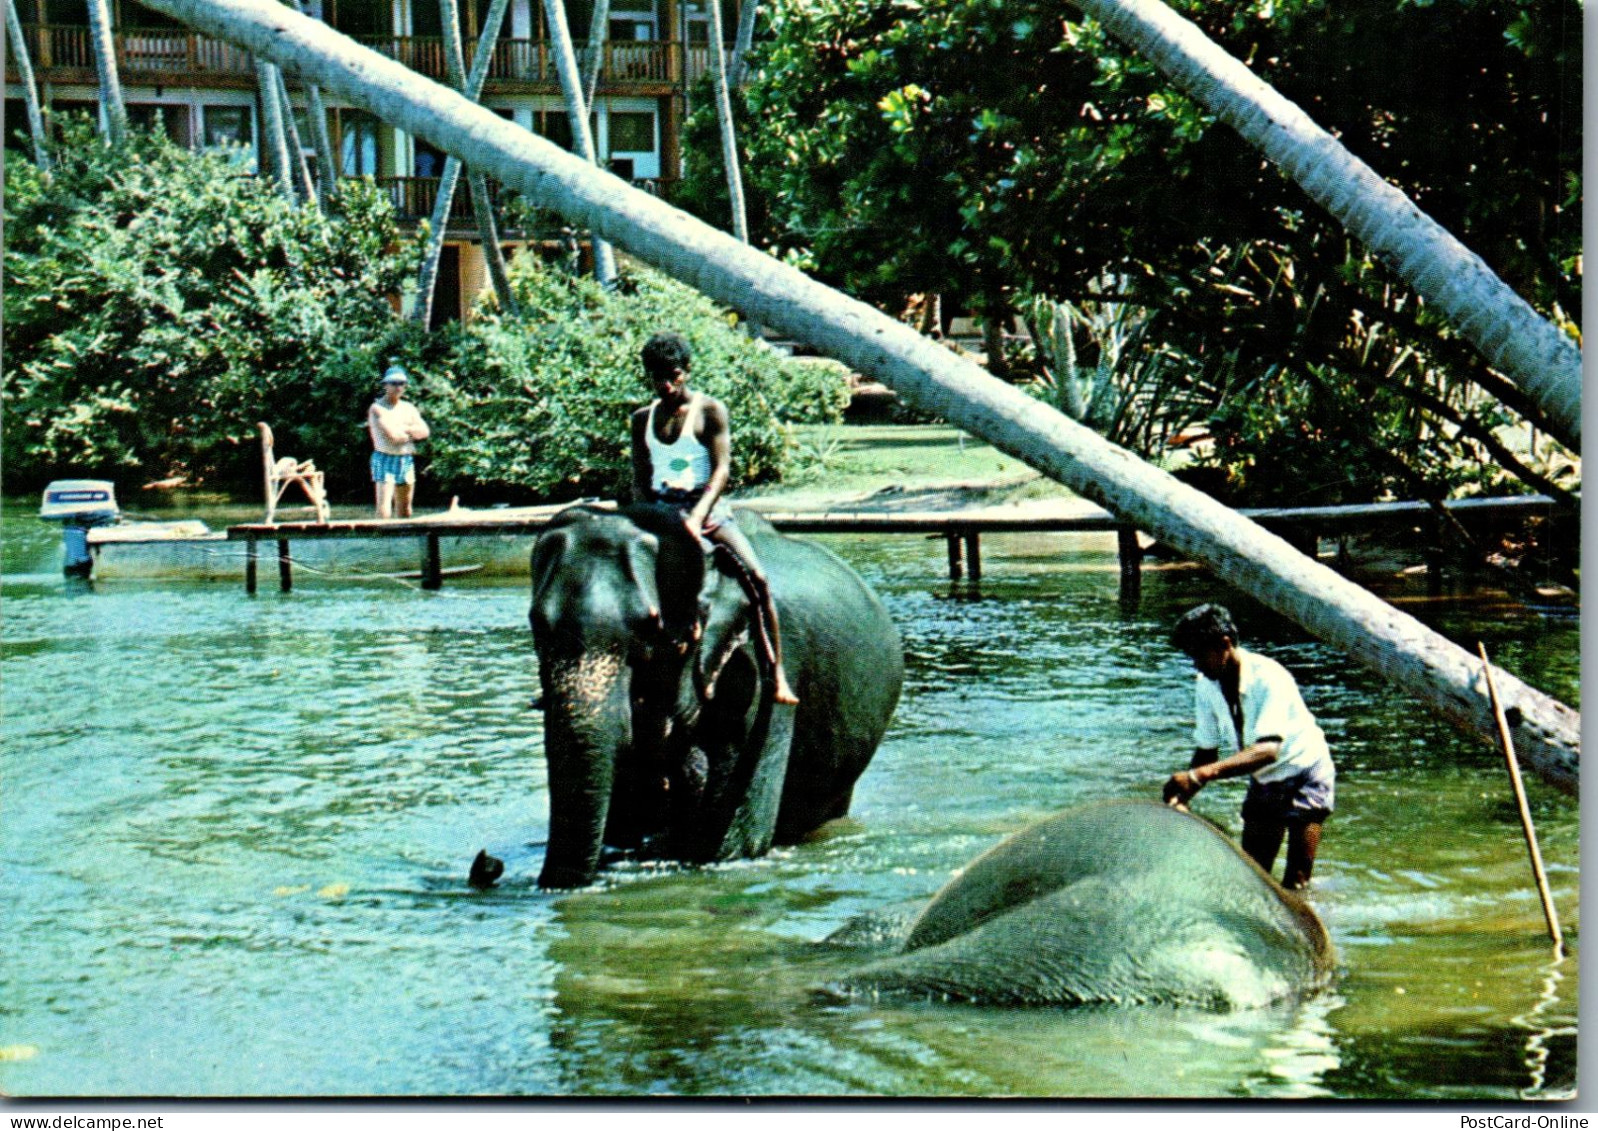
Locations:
{"points": [[237, 830]]}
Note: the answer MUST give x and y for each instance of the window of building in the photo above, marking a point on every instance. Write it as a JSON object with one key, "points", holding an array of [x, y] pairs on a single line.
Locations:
{"points": [[632, 131], [358, 147], [428, 160], [226, 125], [137, 15], [357, 18], [555, 126], [173, 121]]}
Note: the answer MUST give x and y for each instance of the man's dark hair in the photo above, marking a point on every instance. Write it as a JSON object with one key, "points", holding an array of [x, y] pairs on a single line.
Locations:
{"points": [[665, 352], [1203, 628]]}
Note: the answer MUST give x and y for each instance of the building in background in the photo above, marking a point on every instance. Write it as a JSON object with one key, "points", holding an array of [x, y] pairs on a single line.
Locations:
{"points": [[203, 92]]}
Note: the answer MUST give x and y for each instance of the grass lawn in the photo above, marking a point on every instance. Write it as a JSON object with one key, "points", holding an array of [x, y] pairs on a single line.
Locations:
{"points": [[850, 461]]}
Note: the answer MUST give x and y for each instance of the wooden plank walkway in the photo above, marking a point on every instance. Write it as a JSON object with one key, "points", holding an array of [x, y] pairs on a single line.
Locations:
{"points": [[961, 530]]}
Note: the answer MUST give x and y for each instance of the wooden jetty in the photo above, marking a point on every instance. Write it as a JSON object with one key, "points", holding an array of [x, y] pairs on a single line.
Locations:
{"points": [[961, 530]]}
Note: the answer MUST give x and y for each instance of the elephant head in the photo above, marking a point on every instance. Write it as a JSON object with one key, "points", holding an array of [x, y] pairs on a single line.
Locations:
{"points": [[659, 726]]}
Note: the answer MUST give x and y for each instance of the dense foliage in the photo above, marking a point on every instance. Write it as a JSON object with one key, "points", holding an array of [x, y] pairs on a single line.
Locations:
{"points": [[998, 152], [540, 403], [159, 302]]}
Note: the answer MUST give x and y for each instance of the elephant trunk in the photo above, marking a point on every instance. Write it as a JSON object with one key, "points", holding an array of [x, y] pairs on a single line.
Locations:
{"points": [[587, 725]]}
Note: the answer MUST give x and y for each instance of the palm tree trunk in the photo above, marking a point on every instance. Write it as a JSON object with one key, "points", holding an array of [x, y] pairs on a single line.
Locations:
{"points": [[427, 279], [1409, 655], [296, 149], [30, 90], [482, 203], [594, 56], [105, 63], [737, 64], [326, 165], [729, 135], [1513, 337], [274, 142], [571, 85]]}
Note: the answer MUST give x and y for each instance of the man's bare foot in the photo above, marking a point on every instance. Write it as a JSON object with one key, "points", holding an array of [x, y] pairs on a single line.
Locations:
{"points": [[783, 693]]}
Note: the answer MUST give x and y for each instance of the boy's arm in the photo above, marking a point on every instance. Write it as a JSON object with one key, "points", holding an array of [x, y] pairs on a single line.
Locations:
{"points": [[642, 470], [715, 434]]}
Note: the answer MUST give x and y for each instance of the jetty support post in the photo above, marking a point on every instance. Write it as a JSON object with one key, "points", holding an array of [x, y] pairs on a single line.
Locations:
{"points": [[973, 553], [249, 566], [956, 565], [285, 566], [432, 571], [1130, 551]]}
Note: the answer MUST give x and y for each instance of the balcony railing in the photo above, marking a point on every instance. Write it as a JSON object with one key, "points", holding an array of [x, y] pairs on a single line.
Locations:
{"points": [[163, 54], [415, 197]]}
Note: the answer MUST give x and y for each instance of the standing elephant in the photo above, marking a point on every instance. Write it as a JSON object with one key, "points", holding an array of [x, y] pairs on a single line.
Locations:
{"points": [[1118, 903], [659, 725]]}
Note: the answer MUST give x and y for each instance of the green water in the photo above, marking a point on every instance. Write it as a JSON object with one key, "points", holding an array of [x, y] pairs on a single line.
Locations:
{"points": [[234, 833]]}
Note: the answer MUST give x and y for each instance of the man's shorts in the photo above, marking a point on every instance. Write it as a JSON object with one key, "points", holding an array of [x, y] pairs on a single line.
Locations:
{"points": [[1305, 798], [399, 470]]}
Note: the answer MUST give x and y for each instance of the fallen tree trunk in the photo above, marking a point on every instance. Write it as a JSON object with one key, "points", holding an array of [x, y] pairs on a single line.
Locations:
{"points": [[1410, 655]]}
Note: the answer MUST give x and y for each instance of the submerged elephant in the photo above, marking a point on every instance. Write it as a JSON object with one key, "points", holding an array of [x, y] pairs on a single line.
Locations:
{"points": [[1124, 903], [659, 725]]}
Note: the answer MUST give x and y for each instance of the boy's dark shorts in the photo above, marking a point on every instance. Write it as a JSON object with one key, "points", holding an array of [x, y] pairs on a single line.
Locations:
{"points": [[1305, 799]]}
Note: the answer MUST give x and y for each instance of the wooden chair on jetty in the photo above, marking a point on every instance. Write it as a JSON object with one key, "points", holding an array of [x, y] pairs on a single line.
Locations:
{"points": [[283, 473]]}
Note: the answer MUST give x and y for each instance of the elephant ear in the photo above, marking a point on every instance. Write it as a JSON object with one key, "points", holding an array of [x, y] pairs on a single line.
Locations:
{"points": [[679, 565]]}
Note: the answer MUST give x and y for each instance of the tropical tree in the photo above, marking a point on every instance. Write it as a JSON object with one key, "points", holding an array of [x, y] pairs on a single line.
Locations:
{"points": [[30, 91], [158, 303], [594, 53], [482, 203], [1454, 280], [275, 143], [112, 107], [1411, 656], [964, 149], [443, 201], [571, 87], [724, 120]]}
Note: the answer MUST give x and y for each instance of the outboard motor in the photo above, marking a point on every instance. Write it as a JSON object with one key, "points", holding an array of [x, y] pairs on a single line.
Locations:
{"points": [[78, 504]]}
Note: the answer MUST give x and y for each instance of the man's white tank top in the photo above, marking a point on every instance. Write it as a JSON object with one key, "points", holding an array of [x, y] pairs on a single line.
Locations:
{"points": [[683, 464]]}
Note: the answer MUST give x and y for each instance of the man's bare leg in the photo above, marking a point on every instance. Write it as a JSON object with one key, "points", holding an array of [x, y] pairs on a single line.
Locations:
{"points": [[402, 500], [385, 499]]}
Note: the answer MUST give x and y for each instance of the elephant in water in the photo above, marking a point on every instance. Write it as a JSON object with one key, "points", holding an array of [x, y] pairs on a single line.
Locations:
{"points": [[660, 729], [1122, 902]]}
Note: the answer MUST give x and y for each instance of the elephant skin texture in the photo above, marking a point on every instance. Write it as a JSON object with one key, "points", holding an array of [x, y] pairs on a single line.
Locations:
{"points": [[1115, 903], [660, 731]]}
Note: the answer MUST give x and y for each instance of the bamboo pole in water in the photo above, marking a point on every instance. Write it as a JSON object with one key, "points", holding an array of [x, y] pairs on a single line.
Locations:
{"points": [[1525, 811]]}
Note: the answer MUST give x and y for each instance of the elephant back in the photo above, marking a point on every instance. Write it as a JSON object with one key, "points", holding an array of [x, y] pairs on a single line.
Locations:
{"points": [[1163, 853]]}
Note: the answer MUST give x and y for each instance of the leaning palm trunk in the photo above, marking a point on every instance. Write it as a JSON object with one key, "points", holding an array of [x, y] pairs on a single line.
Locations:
{"points": [[594, 56], [427, 279], [105, 64], [316, 114], [1453, 279], [30, 91], [729, 134], [739, 60], [1409, 655], [298, 168], [577, 111], [482, 203], [277, 146]]}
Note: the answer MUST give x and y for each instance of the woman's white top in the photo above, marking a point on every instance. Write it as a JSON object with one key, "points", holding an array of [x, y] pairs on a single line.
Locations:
{"points": [[1271, 705], [683, 464]]}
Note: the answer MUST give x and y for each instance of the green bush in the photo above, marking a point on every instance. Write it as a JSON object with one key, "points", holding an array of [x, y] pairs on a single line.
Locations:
{"points": [[158, 302], [538, 405]]}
